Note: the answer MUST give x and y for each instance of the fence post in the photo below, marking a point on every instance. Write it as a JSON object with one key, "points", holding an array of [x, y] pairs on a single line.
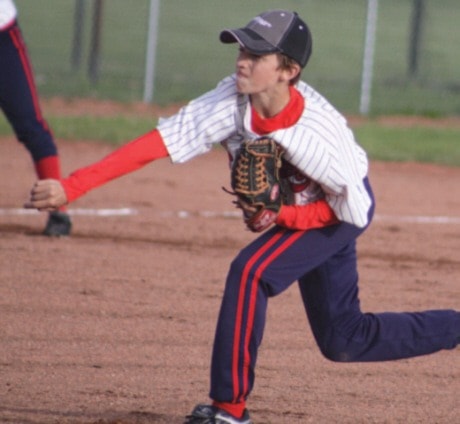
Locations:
{"points": [[152, 36], [418, 20], [75, 59], [368, 61], [93, 67]]}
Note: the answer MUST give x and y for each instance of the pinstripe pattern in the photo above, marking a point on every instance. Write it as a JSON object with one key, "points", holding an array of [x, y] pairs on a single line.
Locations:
{"points": [[208, 119], [320, 144]]}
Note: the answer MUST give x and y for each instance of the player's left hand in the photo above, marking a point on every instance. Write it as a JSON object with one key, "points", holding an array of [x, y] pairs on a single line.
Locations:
{"points": [[256, 220], [46, 195], [256, 182], [261, 220]]}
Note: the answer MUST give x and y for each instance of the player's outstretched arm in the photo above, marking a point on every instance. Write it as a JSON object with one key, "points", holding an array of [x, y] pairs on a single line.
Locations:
{"points": [[46, 195]]}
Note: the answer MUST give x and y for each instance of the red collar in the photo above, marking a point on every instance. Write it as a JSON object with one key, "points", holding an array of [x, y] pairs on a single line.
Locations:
{"points": [[286, 118]]}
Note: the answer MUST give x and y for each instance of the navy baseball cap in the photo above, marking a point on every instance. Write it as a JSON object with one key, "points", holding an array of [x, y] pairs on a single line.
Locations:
{"points": [[271, 32]]}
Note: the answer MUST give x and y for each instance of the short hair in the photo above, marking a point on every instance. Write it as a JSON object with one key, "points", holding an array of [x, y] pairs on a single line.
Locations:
{"points": [[286, 62]]}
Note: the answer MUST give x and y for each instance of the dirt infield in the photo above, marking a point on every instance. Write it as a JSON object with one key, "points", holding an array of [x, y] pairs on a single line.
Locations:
{"points": [[115, 324]]}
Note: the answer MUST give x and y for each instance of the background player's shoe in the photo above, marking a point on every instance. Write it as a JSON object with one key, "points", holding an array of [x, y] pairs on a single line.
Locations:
{"points": [[208, 414], [58, 224]]}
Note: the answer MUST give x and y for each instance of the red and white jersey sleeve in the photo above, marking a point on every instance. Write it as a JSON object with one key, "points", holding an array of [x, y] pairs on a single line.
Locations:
{"points": [[8, 13], [204, 121]]}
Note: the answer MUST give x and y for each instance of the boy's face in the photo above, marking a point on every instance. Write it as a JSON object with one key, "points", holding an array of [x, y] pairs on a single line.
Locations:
{"points": [[259, 74]]}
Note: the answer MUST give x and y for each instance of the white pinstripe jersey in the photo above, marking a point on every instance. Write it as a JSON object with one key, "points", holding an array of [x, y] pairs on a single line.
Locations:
{"points": [[320, 145]]}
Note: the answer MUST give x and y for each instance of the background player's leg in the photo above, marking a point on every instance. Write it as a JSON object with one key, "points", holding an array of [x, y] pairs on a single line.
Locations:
{"points": [[19, 101]]}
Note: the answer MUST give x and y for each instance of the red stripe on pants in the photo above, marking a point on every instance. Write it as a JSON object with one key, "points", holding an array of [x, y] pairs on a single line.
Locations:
{"points": [[19, 43], [252, 306]]}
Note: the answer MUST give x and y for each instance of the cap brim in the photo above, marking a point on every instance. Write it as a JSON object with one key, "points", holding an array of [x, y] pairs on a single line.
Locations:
{"points": [[248, 39]]}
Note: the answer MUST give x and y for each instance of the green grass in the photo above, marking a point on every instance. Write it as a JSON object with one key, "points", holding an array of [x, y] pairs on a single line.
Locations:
{"points": [[421, 144], [417, 144], [114, 129]]}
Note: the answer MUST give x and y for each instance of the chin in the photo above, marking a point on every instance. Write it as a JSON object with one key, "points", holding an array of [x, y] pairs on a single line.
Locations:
{"points": [[243, 90], [241, 86]]}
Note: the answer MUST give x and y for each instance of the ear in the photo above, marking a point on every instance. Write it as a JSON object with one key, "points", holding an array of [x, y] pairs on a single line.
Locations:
{"points": [[294, 70], [291, 72]]}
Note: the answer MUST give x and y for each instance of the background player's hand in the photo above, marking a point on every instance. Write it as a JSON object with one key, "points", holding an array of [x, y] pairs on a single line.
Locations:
{"points": [[46, 195]]}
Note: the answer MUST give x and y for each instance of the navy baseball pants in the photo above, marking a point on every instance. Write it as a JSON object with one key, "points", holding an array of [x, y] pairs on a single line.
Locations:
{"points": [[324, 263], [18, 96]]}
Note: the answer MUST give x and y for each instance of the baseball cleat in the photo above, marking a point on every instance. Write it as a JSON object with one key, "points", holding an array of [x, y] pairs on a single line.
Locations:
{"points": [[208, 414], [58, 224]]}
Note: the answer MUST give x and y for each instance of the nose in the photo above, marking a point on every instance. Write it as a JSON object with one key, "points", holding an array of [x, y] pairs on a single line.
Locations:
{"points": [[240, 59], [243, 56]]}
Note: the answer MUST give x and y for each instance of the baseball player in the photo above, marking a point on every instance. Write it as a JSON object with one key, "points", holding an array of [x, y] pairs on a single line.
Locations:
{"points": [[20, 104], [310, 240]]}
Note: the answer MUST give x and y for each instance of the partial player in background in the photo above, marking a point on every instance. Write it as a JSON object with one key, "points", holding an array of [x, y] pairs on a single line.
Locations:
{"points": [[308, 233], [20, 104]]}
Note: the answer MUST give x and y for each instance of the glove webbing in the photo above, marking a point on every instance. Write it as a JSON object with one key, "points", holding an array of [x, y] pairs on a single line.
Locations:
{"points": [[245, 175]]}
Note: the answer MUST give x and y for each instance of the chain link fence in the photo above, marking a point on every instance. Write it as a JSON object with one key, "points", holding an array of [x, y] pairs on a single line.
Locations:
{"points": [[97, 48]]}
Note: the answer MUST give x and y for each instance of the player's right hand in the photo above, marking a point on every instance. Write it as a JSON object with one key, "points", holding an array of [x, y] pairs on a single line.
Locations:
{"points": [[46, 195]]}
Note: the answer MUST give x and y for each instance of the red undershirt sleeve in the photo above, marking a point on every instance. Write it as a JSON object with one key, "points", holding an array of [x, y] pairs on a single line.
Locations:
{"points": [[306, 217], [123, 160]]}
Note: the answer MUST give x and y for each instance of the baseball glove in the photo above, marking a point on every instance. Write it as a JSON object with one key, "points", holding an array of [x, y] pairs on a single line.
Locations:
{"points": [[255, 182]]}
